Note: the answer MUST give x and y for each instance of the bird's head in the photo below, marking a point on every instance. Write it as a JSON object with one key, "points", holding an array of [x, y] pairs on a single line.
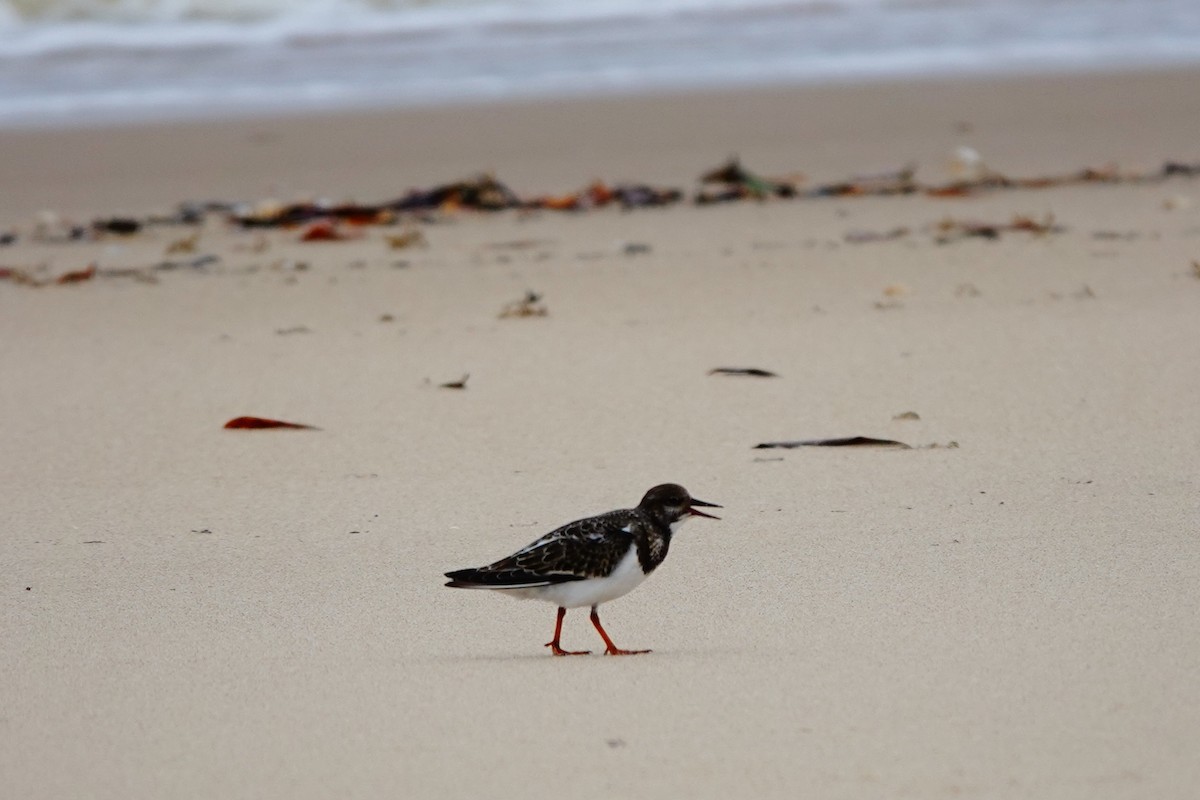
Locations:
{"points": [[670, 503]]}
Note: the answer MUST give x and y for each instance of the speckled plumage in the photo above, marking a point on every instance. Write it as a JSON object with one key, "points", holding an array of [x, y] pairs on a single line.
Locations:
{"points": [[590, 561], [585, 548]]}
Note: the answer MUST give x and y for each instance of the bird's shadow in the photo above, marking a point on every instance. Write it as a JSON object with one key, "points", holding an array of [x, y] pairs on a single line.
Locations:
{"points": [[542, 658]]}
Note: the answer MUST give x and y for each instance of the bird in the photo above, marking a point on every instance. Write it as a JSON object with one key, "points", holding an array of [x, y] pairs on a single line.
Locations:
{"points": [[590, 561]]}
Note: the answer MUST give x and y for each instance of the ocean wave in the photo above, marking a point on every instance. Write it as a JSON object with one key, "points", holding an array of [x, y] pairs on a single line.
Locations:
{"points": [[36, 27], [174, 60]]}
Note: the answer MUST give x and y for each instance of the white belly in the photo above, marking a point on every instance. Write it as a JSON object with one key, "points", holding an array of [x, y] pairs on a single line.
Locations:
{"points": [[590, 591]]}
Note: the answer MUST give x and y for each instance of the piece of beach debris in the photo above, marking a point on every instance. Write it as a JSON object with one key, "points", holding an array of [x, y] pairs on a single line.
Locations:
{"points": [[849, 441], [461, 383], [410, 238], [1020, 222], [77, 276], [292, 330], [185, 245], [324, 230], [907, 415], [259, 423], [7, 238], [891, 182], [967, 188], [865, 237], [753, 372], [892, 295], [636, 195], [22, 277], [121, 226], [599, 194], [950, 230], [1170, 168], [1196, 269], [138, 274], [574, 201], [528, 306], [967, 164], [191, 263], [273, 214], [595, 195], [482, 193], [635, 249], [739, 183]]}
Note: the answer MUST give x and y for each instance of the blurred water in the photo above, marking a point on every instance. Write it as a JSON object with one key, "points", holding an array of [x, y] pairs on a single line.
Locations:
{"points": [[85, 61]]}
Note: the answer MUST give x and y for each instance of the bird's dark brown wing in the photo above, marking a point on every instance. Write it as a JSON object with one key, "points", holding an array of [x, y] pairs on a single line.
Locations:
{"points": [[586, 548]]}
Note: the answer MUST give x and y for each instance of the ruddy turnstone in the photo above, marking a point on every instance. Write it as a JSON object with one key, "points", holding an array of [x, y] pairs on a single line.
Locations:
{"points": [[591, 561]]}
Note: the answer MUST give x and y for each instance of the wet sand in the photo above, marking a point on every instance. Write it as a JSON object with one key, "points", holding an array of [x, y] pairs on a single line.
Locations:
{"points": [[194, 612]]}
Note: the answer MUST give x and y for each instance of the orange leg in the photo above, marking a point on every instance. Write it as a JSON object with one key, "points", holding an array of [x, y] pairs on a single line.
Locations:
{"points": [[553, 644], [611, 649]]}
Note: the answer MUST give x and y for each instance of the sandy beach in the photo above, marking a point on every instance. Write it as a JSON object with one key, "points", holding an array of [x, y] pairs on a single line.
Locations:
{"points": [[1007, 609]]}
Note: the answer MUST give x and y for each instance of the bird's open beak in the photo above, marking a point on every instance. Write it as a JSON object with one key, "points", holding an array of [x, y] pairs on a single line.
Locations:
{"points": [[695, 513]]}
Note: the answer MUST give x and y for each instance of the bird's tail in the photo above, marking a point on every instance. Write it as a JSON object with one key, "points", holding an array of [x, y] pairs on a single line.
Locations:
{"points": [[466, 579], [504, 579]]}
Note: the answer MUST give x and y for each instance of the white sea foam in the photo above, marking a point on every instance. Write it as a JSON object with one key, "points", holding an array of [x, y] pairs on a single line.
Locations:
{"points": [[71, 61]]}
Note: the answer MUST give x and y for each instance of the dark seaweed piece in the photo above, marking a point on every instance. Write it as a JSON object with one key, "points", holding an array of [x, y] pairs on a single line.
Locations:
{"points": [[850, 441], [484, 193], [636, 195], [123, 226], [1177, 168], [295, 214], [753, 372], [740, 183]]}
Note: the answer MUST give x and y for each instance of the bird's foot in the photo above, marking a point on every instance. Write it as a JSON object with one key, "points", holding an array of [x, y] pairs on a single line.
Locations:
{"points": [[616, 651], [558, 651]]}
